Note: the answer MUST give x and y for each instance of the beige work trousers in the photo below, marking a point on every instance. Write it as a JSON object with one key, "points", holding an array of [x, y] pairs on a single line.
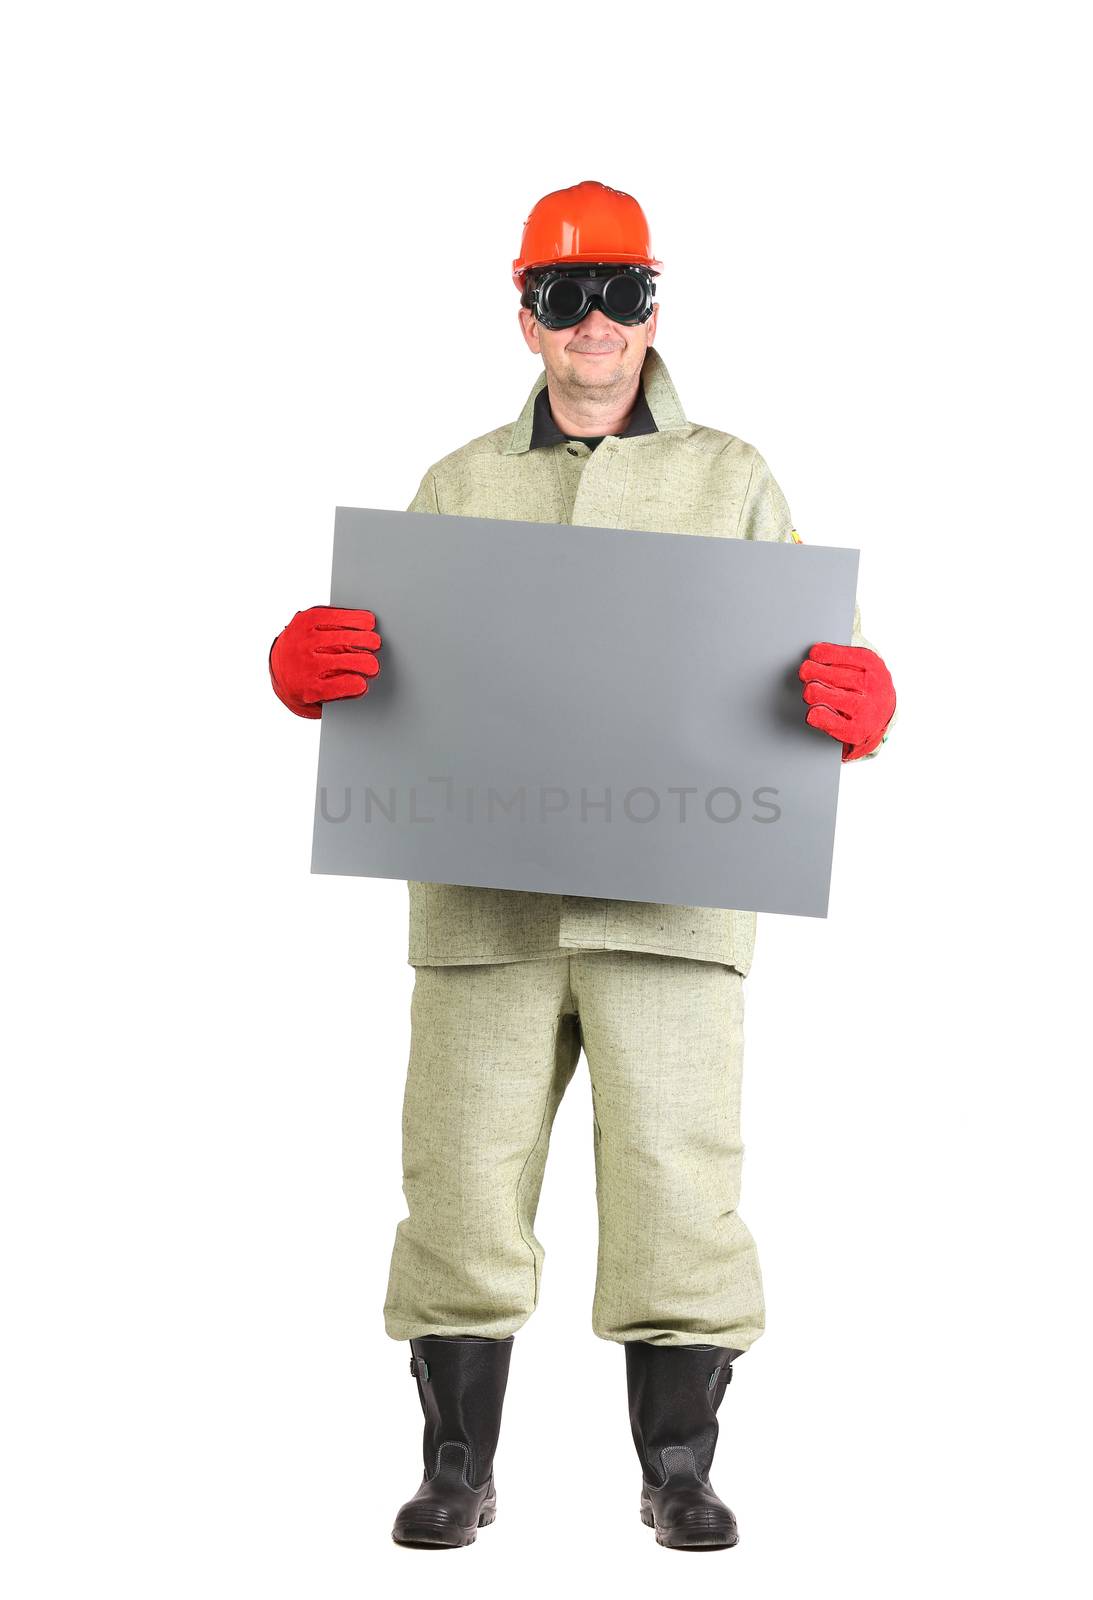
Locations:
{"points": [[493, 1048]]}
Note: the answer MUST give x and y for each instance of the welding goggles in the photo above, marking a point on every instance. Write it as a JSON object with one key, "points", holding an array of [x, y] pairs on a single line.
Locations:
{"points": [[564, 296]]}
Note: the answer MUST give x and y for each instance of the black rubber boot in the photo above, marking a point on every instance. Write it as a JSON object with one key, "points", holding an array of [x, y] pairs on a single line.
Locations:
{"points": [[461, 1386], [675, 1391]]}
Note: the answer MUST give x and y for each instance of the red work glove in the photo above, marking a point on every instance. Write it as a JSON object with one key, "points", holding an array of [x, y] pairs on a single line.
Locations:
{"points": [[324, 654], [851, 695]]}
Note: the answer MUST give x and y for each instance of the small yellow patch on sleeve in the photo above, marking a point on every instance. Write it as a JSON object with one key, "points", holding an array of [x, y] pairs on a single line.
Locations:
{"points": [[795, 536]]}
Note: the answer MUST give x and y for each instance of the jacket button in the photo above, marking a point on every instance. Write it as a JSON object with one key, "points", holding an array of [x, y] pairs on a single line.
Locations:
{"points": [[573, 450]]}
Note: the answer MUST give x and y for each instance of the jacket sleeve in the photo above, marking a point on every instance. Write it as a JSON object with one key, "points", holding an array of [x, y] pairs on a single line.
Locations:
{"points": [[765, 514], [425, 499]]}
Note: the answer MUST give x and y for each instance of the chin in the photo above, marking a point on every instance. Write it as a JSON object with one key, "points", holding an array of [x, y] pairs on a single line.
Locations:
{"points": [[594, 378]]}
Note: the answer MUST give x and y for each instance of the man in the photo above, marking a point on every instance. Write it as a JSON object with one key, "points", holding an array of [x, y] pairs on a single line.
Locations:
{"points": [[510, 985]]}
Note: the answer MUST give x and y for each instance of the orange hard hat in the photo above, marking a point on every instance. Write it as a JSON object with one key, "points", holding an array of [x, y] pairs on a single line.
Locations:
{"points": [[586, 223]]}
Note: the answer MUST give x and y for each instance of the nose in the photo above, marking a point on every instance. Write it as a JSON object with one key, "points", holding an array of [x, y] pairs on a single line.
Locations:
{"points": [[598, 326]]}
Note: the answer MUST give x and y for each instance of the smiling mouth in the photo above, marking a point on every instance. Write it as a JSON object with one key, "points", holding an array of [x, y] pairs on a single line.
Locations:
{"points": [[612, 351]]}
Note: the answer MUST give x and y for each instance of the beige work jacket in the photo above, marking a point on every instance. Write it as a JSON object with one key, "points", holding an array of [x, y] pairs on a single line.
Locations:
{"points": [[684, 478]]}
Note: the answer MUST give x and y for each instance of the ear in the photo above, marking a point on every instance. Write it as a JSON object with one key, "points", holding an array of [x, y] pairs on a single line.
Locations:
{"points": [[651, 325], [530, 329]]}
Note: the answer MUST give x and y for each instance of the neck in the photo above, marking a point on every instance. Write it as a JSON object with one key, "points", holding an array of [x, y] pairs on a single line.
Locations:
{"points": [[589, 413]]}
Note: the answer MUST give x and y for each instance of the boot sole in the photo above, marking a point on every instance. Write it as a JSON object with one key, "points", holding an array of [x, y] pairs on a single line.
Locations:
{"points": [[425, 1538], [691, 1538]]}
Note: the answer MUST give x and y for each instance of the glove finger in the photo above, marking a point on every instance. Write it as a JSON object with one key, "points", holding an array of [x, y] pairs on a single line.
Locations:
{"points": [[828, 721], [361, 661], [842, 655], [339, 617], [343, 686], [327, 639], [838, 677], [822, 694]]}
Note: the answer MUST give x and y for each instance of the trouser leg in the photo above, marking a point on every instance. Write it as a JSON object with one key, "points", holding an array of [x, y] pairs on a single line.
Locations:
{"points": [[492, 1049], [664, 1040]]}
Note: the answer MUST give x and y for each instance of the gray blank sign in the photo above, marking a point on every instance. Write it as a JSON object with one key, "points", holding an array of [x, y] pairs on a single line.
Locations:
{"points": [[584, 711]]}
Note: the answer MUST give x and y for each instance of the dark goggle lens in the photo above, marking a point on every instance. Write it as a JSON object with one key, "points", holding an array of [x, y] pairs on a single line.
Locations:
{"points": [[564, 298], [623, 297]]}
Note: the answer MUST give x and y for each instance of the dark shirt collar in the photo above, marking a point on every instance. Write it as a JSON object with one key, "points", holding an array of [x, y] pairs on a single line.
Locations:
{"points": [[544, 430]]}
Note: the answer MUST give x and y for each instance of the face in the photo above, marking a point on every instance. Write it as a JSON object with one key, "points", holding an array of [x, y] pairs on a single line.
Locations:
{"points": [[596, 354]]}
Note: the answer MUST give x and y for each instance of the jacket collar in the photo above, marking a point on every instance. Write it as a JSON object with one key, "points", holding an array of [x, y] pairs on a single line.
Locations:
{"points": [[545, 431], [660, 396]]}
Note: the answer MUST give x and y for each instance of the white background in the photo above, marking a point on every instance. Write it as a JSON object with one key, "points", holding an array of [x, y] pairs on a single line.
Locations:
{"points": [[256, 264]]}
